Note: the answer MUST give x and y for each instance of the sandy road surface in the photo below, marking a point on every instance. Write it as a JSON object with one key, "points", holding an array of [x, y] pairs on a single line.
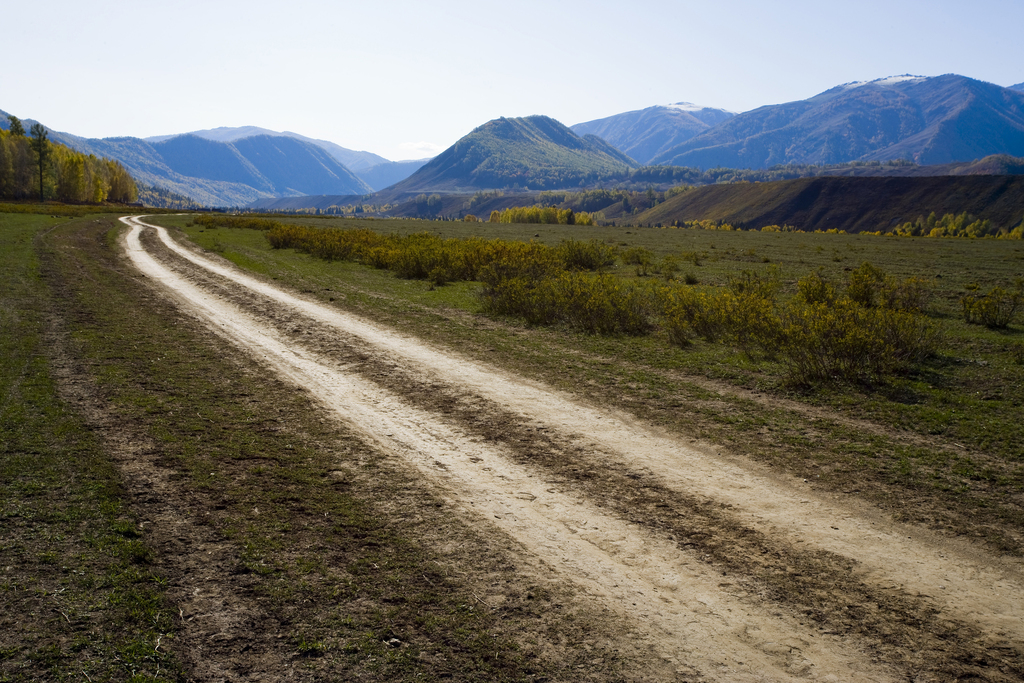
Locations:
{"points": [[692, 614]]}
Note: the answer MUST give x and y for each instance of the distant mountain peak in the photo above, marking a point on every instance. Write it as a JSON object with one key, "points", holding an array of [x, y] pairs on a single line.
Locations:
{"points": [[690, 106], [887, 81], [644, 133]]}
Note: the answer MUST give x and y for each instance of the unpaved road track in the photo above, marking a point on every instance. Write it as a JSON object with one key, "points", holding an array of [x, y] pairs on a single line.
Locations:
{"points": [[625, 511]]}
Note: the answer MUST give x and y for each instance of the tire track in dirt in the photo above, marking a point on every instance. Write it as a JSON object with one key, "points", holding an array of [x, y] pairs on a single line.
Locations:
{"points": [[637, 574], [964, 581]]}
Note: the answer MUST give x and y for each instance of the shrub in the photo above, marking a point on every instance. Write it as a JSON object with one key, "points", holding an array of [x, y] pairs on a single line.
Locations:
{"points": [[669, 267], [637, 256], [814, 289], [692, 256], [864, 283], [689, 313], [911, 294], [745, 320], [845, 340], [640, 257], [599, 304], [993, 310], [591, 255], [870, 286], [762, 285]]}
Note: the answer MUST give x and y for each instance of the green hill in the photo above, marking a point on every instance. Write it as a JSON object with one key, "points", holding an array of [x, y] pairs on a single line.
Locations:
{"points": [[535, 151]]}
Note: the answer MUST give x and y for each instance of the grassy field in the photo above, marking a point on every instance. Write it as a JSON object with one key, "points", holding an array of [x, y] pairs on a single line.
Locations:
{"points": [[104, 380], [78, 597], [940, 446]]}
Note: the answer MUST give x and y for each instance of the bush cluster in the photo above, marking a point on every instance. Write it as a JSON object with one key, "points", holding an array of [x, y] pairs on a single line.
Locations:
{"points": [[246, 222], [818, 335], [599, 304], [428, 257], [870, 329], [870, 287]]}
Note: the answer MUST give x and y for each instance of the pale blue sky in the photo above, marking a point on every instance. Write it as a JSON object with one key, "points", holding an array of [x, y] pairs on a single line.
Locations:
{"points": [[405, 79]]}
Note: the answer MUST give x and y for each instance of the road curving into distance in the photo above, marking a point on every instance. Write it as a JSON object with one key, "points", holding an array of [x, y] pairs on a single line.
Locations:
{"points": [[725, 628]]}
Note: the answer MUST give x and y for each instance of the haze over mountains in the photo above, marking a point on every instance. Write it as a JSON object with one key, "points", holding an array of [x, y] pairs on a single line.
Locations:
{"points": [[373, 169], [352, 159], [226, 173]]}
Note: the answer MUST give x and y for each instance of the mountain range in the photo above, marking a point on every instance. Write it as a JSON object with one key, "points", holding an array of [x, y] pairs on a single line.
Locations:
{"points": [[354, 160], [226, 173], [927, 120], [235, 166], [647, 133], [373, 169]]}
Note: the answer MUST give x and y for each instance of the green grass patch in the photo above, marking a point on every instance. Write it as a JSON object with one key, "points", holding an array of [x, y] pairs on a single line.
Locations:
{"points": [[77, 593]]}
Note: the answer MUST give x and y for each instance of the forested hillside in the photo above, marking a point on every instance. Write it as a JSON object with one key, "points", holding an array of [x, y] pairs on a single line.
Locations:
{"points": [[32, 166]]}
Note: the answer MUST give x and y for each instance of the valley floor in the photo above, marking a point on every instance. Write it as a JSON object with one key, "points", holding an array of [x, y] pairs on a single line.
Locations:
{"points": [[328, 497]]}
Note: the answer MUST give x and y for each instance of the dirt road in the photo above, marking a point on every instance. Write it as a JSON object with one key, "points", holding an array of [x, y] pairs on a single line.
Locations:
{"points": [[726, 570]]}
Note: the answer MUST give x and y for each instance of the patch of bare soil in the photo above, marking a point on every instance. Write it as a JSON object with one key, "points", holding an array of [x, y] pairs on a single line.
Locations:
{"points": [[736, 574]]}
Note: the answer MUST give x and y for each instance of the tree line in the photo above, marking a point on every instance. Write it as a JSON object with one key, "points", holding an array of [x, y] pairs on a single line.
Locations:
{"points": [[34, 167]]}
